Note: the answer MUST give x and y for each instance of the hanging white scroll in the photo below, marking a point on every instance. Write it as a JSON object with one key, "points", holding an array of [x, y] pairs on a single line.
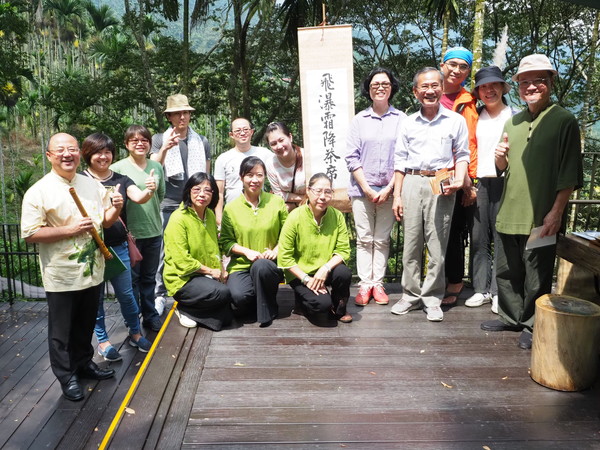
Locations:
{"points": [[327, 94]]}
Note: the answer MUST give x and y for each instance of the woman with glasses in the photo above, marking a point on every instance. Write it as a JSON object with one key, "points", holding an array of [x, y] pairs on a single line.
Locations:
{"points": [[370, 160], [98, 151], [193, 274], [144, 220], [312, 248], [249, 232], [285, 169]]}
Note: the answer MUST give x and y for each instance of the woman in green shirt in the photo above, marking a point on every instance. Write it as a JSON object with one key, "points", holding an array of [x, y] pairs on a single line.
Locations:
{"points": [[249, 232], [312, 248], [144, 220], [193, 274]]}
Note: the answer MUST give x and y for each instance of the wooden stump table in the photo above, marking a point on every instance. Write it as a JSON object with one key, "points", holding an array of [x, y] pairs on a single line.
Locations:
{"points": [[566, 338]]}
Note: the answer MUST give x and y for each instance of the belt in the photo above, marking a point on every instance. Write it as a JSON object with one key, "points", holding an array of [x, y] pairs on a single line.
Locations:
{"points": [[423, 173]]}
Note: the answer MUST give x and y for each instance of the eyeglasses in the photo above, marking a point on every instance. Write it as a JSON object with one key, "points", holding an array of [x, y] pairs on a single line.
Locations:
{"points": [[384, 85], [426, 87], [537, 82], [239, 131], [319, 192], [198, 191], [138, 141], [453, 66], [61, 151]]}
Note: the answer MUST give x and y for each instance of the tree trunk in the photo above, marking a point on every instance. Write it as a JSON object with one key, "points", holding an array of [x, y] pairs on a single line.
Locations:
{"points": [[185, 81], [233, 94], [136, 27], [477, 39]]}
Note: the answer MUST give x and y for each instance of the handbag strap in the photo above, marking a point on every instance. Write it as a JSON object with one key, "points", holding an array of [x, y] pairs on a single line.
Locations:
{"points": [[124, 225]]}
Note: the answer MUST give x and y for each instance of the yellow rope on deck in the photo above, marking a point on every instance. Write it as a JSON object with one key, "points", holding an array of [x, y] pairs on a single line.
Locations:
{"points": [[136, 381]]}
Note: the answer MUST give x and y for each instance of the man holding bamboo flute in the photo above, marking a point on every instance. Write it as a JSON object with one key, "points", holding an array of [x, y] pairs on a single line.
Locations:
{"points": [[71, 263]]}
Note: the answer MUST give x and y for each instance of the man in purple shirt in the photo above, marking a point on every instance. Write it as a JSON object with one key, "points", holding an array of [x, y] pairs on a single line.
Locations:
{"points": [[431, 140]]}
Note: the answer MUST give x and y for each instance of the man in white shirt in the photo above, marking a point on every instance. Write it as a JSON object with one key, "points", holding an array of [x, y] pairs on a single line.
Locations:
{"points": [[227, 166], [431, 140], [71, 263]]}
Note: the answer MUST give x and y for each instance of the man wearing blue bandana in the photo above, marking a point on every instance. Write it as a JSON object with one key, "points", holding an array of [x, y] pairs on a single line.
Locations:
{"points": [[456, 66]]}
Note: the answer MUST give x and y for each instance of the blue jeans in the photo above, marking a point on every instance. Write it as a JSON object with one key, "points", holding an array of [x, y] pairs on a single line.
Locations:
{"points": [[124, 293], [143, 275]]}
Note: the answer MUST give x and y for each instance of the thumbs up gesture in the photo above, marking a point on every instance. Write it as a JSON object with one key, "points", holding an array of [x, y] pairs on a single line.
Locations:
{"points": [[116, 198], [501, 153], [151, 181]]}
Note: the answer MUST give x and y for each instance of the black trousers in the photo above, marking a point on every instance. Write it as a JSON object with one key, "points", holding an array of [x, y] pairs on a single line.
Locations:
{"points": [[256, 290], [339, 280], [207, 301], [71, 320], [460, 231]]}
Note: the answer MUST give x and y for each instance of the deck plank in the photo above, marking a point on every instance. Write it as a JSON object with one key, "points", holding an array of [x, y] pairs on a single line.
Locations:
{"points": [[134, 427], [381, 382]]}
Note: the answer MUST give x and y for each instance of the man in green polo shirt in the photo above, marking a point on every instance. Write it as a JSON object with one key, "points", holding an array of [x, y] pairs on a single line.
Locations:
{"points": [[540, 153]]}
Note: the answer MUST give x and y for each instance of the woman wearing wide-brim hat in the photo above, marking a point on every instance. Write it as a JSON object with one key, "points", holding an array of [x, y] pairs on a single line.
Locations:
{"points": [[490, 88]]}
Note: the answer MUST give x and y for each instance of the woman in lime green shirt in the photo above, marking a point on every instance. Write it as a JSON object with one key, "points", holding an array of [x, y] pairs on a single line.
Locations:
{"points": [[249, 233], [312, 248], [193, 274]]}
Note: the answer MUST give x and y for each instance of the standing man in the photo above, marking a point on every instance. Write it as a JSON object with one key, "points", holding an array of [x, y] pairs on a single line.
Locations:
{"points": [[541, 154], [456, 67], [227, 166], [182, 152], [431, 141], [71, 263]]}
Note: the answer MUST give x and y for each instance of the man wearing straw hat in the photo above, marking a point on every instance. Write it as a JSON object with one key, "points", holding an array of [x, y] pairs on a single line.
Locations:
{"points": [[71, 263], [182, 152], [540, 152]]}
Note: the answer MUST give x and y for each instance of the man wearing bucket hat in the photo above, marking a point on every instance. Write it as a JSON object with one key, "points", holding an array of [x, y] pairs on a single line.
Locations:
{"points": [[540, 151], [71, 263], [490, 88], [456, 67], [182, 152]]}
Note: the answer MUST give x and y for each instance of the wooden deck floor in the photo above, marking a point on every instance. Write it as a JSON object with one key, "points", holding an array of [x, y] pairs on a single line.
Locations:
{"points": [[381, 382]]}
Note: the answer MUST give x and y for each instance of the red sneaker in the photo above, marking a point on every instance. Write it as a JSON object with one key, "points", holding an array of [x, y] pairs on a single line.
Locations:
{"points": [[363, 296], [380, 296]]}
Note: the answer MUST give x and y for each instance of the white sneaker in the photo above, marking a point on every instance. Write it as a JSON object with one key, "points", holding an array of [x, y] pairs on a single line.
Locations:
{"points": [[185, 321], [159, 305], [495, 304], [434, 314], [478, 299], [402, 307]]}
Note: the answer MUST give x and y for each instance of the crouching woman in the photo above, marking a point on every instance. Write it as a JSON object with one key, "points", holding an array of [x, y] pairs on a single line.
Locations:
{"points": [[193, 273], [313, 246]]}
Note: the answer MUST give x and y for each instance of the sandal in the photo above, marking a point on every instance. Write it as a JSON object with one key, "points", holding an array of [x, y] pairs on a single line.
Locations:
{"points": [[339, 311], [346, 318], [448, 296]]}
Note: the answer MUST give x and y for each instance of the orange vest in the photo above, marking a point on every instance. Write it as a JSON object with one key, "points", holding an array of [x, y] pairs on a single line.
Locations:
{"points": [[466, 105]]}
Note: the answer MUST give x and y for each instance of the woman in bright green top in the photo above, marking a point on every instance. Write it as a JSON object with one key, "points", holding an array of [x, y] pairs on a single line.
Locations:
{"points": [[144, 221], [312, 248], [193, 274], [249, 232]]}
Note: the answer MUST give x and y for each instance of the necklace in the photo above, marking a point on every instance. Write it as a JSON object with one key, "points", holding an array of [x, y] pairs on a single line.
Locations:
{"points": [[96, 177]]}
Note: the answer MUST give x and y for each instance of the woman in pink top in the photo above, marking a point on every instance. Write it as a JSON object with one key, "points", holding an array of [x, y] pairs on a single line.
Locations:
{"points": [[285, 169]]}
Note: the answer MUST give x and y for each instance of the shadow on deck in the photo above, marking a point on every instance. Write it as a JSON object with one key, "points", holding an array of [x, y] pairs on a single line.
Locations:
{"points": [[383, 381]]}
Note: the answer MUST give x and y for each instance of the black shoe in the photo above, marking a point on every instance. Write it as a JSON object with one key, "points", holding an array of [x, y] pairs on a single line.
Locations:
{"points": [[154, 324], [93, 372], [72, 389], [497, 325], [525, 340]]}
